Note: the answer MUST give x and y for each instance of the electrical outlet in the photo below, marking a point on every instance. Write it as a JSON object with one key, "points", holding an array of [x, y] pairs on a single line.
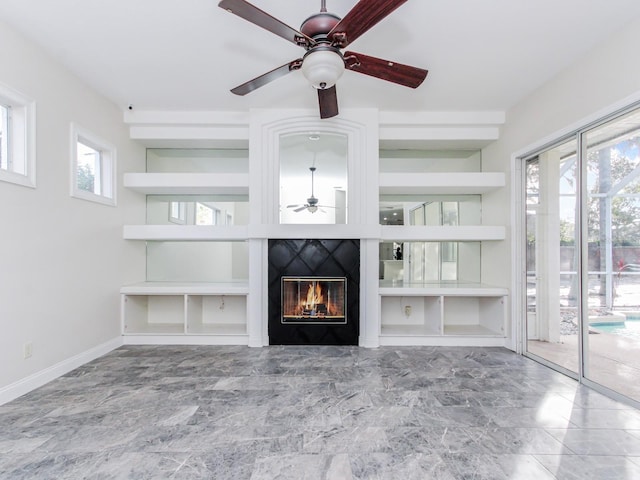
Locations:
{"points": [[407, 310], [28, 350]]}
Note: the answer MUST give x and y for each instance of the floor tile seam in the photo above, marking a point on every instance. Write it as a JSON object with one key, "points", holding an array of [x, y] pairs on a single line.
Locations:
{"points": [[590, 455], [633, 432], [539, 463], [571, 451], [539, 429], [605, 427]]}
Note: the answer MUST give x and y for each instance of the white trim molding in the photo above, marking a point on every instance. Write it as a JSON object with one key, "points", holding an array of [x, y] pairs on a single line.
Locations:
{"points": [[22, 137], [38, 379]]}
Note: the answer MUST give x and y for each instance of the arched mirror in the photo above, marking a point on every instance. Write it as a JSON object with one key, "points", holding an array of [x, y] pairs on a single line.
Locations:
{"points": [[313, 178]]}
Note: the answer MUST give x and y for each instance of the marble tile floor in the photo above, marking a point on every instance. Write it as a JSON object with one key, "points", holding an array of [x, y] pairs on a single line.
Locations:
{"points": [[219, 412]]}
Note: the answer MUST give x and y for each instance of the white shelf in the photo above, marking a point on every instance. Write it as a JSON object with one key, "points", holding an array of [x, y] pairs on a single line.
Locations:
{"points": [[409, 331], [398, 288], [185, 232], [188, 183], [318, 231], [454, 183], [219, 329], [178, 288], [156, 329], [473, 330], [443, 233]]}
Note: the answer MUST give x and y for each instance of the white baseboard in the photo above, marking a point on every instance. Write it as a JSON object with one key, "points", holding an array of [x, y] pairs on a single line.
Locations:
{"points": [[185, 339], [27, 384]]}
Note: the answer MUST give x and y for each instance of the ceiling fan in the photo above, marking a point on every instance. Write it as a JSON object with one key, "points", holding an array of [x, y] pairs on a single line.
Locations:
{"points": [[323, 35], [312, 202]]}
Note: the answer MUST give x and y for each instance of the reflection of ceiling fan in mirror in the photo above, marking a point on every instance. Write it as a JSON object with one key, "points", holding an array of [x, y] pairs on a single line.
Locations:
{"points": [[312, 202], [323, 36]]}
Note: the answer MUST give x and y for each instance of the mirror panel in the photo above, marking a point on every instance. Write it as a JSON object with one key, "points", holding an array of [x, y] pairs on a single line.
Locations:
{"points": [[205, 210], [197, 261], [430, 210], [313, 178]]}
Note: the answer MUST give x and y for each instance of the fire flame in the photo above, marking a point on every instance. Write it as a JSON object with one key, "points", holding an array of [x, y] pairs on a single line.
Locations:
{"points": [[314, 296]]}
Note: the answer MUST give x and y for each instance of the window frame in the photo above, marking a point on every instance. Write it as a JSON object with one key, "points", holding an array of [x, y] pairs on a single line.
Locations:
{"points": [[106, 176], [21, 137]]}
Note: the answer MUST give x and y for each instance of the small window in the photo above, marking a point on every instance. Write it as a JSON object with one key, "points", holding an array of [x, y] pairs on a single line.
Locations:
{"points": [[207, 215], [93, 167], [204, 214], [178, 212], [17, 138]]}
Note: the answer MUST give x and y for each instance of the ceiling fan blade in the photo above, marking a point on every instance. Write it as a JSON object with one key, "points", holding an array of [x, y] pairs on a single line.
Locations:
{"points": [[262, 80], [328, 100], [364, 15], [386, 70], [258, 17], [304, 207]]}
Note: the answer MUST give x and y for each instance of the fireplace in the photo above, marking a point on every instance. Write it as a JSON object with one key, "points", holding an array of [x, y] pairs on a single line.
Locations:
{"points": [[314, 292], [313, 300]]}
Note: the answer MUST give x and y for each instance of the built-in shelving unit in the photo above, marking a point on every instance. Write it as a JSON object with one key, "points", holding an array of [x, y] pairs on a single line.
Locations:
{"points": [[446, 312], [179, 246], [442, 313], [185, 310], [206, 283]]}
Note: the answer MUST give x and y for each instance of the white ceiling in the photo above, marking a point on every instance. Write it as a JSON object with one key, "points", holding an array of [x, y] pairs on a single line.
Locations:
{"points": [[187, 54]]}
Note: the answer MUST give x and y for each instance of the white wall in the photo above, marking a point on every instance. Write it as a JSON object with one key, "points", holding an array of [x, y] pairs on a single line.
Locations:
{"points": [[63, 259], [594, 83]]}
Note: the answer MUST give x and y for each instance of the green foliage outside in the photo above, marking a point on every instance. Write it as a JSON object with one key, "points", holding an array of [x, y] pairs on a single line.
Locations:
{"points": [[86, 178]]}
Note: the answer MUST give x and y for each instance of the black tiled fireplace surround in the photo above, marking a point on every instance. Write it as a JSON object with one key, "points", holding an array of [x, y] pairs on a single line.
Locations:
{"points": [[309, 258]]}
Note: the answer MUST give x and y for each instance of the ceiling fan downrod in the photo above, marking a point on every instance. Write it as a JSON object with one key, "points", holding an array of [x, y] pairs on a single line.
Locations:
{"points": [[323, 5], [313, 169]]}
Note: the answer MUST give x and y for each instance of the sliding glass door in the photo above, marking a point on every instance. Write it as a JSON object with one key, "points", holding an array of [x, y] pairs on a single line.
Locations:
{"points": [[612, 296], [583, 254], [551, 237]]}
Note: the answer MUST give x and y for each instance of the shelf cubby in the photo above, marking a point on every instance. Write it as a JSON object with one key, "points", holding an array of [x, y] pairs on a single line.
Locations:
{"points": [[411, 315], [157, 314], [216, 314], [477, 315]]}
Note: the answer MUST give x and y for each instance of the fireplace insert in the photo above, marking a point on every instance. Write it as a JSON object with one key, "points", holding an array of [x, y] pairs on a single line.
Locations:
{"points": [[314, 300]]}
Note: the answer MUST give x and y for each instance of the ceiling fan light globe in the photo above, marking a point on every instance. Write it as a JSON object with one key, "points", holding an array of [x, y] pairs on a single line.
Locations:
{"points": [[312, 208], [322, 68]]}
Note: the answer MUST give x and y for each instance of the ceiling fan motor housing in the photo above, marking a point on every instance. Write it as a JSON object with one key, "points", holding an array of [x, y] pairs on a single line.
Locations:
{"points": [[317, 26]]}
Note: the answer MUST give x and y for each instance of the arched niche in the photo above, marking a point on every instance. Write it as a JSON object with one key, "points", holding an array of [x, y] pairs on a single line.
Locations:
{"points": [[355, 142]]}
